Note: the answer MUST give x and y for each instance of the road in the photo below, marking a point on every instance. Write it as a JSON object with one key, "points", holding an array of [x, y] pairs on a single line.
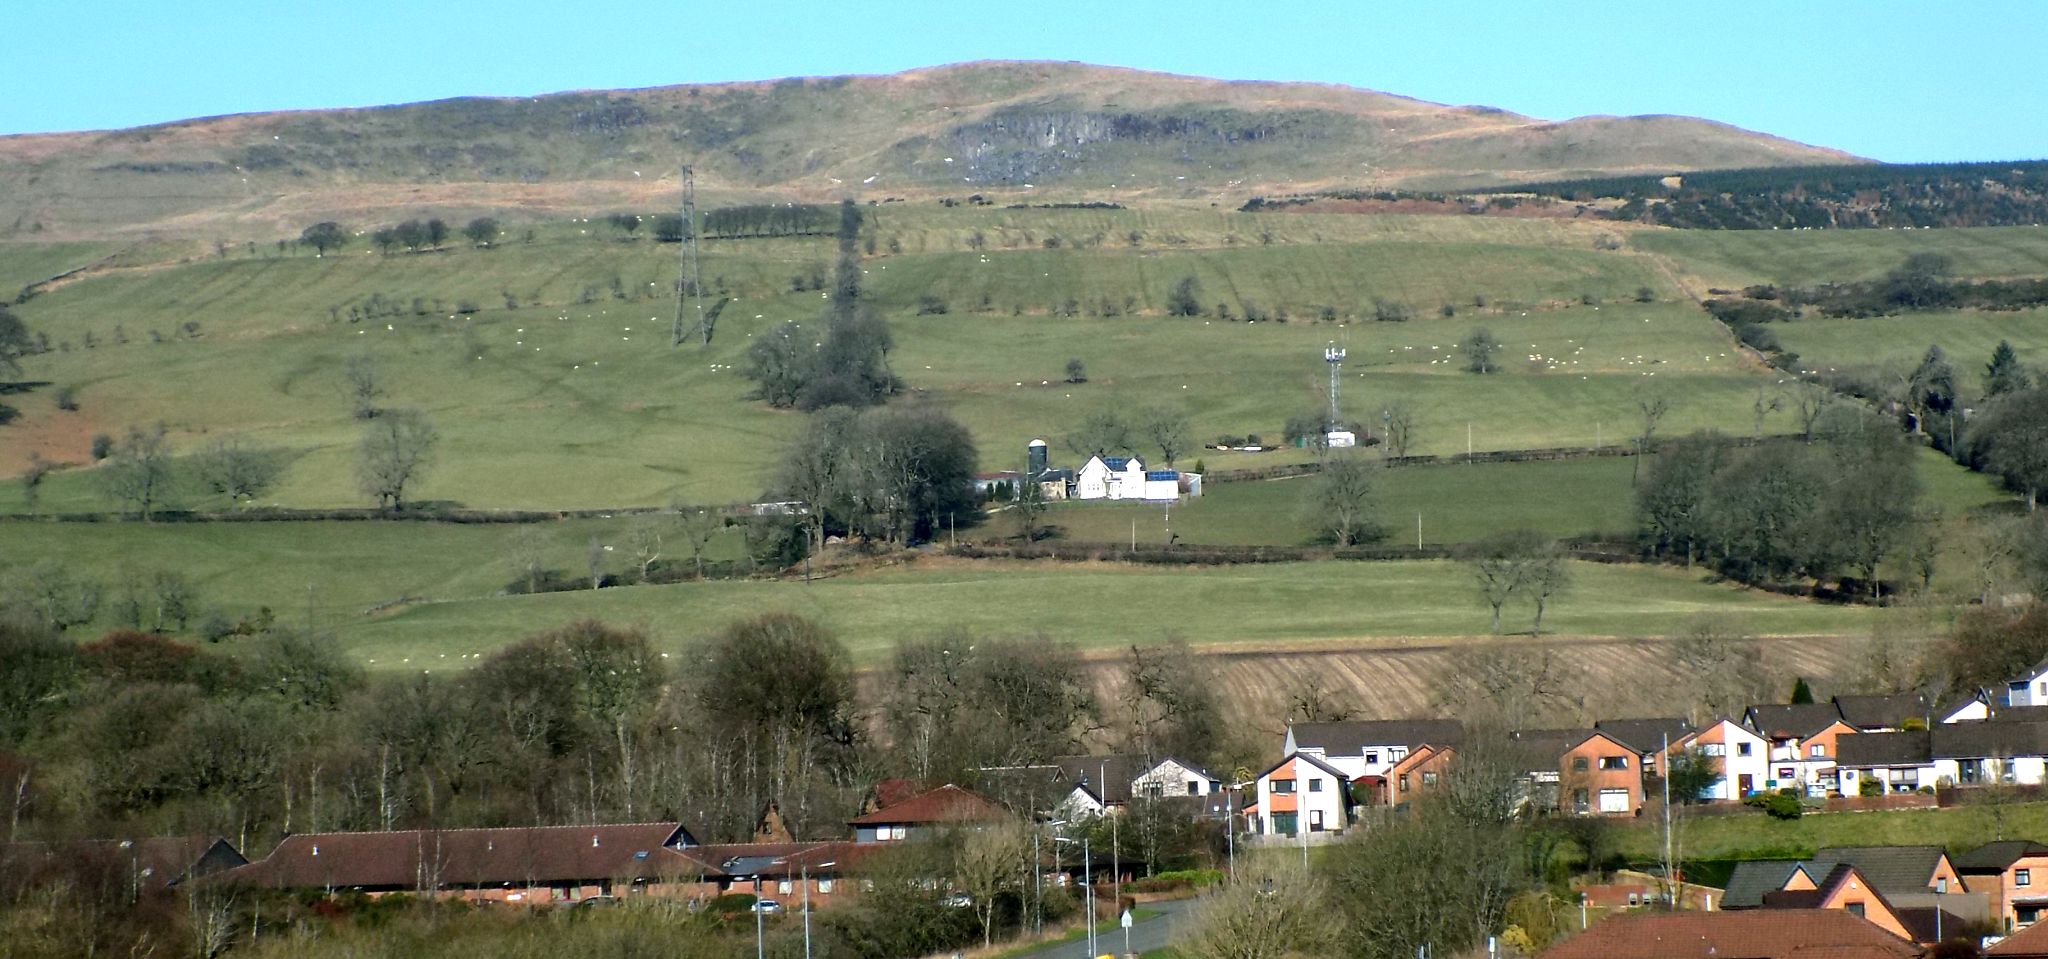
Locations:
{"points": [[1147, 934]]}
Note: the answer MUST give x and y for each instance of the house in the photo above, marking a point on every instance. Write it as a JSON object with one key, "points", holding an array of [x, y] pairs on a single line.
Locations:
{"points": [[781, 871], [1300, 792], [1899, 872], [1420, 772], [1847, 889], [948, 806], [1740, 754], [148, 863], [1648, 737], [537, 864], [1363, 748], [1884, 714], [2005, 872], [2028, 690], [1599, 774], [1751, 880], [1755, 934], [1899, 762], [1803, 738], [1974, 706], [1973, 754], [1113, 477], [1161, 485]]}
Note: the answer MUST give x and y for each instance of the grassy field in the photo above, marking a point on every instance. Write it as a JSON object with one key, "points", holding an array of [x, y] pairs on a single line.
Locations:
{"points": [[1099, 606], [1738, 258], [1885, 343], [1757, 836]]}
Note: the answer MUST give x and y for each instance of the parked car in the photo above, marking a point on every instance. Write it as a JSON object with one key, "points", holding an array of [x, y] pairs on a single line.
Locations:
{"points": [[958, 900], [769, 906]]}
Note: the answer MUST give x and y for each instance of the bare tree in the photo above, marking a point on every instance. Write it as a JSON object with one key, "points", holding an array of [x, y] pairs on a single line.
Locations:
{"points": [[396, 449], [644, 535], [1651, 406], [1280, 914], [238, 472], [986, 867], [32, 479], [1512, 563], [1809, 402], [138, 474], [1338, 501], [527, 549], [363, 385], [699, 526], [1514, 687], [1313, 702], [1030, 507], [1766, 403], [60, 599], [1721, 662], [1398, 421], [1550, 573], [1167, 427]]}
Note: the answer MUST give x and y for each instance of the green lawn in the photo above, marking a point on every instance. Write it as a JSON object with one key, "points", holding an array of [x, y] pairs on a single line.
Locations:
{"points": [[1886, 343], [1753, 835], [1738, 258], [1458, 503]]}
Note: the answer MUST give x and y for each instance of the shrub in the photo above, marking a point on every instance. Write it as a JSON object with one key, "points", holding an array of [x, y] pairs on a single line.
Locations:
{"points": [[1783, 804], [102, 446], [67, 398], [1391, 311], [930, 305]]}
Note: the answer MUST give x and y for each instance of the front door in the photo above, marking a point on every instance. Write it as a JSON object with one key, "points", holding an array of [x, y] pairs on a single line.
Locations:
{"points": [[1746, 783]]}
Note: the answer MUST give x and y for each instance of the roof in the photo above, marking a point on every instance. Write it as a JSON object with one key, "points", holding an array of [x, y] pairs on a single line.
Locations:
{"points": [[1884, 712], [1749, 881], [2018, 714], [1543, 749], [1307, 758], [1980, 740], [2031, 941], [1888, 869], [1116, 464], [1913, 748], [948, 803], [1108, 777], [1355, 736], [1645, 735], [1162, 474], [1792, 720], [889, 792], [1747, 934], [1998, 856], [536, 855]]}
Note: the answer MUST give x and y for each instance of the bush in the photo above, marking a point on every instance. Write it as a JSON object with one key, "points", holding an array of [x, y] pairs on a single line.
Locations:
{"points": [[1783, 804], [102, 446], [930, 305], [67, 398]]}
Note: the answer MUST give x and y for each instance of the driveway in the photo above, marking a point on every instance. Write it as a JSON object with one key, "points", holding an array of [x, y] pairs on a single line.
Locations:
{"points": [[1152, 932]]}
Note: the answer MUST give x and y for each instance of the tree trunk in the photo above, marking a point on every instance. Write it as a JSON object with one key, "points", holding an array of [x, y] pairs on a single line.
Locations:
{"points": [[1496, 619]]}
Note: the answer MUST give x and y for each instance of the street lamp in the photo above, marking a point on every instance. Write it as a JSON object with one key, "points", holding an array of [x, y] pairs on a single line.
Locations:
{"points": [[1088, 885], [760, 930], [804, 873]]}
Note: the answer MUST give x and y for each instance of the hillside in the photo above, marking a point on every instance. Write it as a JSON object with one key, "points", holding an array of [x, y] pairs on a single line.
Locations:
{"points": [[1015, 129]]}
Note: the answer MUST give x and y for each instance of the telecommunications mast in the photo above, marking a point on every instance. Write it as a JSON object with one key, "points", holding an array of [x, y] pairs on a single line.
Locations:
{"points": [[689, 280]]}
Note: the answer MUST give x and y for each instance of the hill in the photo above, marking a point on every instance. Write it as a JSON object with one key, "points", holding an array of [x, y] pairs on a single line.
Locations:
{"points": [[1015, 129]]}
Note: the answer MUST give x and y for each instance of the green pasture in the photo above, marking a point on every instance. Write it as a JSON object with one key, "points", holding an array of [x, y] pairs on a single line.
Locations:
{"points": [[1100, 606], [1738, 258], [1880, 344], [1754, 835]]}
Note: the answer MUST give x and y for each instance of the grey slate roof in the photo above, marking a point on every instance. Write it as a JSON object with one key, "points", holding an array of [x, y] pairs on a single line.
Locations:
{"points": [[1783, 720], [1749, 881], [1644, 735], [1351, 737], [1998, 856], [1884, 712], [1885, 749], [1982, 740], [1888, 869], [1108, 777]]}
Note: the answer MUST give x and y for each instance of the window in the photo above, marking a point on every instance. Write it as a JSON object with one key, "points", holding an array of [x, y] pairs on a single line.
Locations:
{"points": [[1315, 785], [1614, 762], [1742, 749], [1154, 790], [1941, 884], [1614, 800], [1429, 779], [1372, 757], [1194, 789], [1283, 787], [825, 886], [1315, 820], [1634, 900], [1404, 782], [783, 887], [2023, 877], [1578, 764], [1818, 751], [1854, 908], [1284, 823], [1785, 772], [1713, 749], [1580, 802]]}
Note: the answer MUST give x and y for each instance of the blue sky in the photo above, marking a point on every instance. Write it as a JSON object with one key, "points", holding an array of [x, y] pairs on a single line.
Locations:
{"points": [[1889, 80]]}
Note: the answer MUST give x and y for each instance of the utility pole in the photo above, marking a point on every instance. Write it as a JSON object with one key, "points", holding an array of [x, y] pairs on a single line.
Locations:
{"points": [[1670, 881], [689, 278]]}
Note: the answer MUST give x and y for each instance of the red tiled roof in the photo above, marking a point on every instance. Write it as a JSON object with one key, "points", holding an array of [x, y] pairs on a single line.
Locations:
{"points": [[2031, 941], [538, 855], [889, 792], [948, 803], [1758, 934]]}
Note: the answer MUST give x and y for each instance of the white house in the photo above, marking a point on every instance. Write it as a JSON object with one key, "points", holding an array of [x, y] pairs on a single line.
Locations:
{"points": [[1898, 762], [1171, 777], [1297, 793], [1115, 477], [1363, 748], [1969, 709], [1742, 755], [1803, 739], [1161, 485], [2029, 690]]}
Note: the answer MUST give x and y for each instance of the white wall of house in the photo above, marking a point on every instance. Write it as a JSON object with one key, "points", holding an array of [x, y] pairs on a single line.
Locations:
{"points": [[1129, 482], [2024, 770], [1095, 480], [1162, 489], [1092, 480], [1972, 710], [1298, 794], [1741, 755], [1370, 761], [1896, 779], [1079, 804], [2028, 690], [1170, 778]]}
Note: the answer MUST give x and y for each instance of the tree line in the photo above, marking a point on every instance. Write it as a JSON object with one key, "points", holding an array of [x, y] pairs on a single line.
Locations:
{"points": [[847, 364]]}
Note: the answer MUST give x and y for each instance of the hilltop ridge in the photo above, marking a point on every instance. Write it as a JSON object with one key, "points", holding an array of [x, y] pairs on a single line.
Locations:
{"points": [[1018, 130]]}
